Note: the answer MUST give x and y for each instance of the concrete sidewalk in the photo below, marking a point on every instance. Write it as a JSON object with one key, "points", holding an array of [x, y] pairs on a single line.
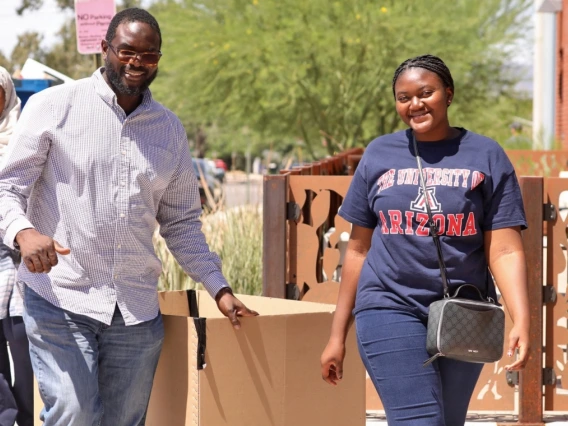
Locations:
{"points": [[241, 177], [480, 419]]}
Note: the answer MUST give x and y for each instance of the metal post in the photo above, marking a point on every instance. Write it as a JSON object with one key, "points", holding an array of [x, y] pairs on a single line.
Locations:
{"points": [[530, 380], [274, 238]]}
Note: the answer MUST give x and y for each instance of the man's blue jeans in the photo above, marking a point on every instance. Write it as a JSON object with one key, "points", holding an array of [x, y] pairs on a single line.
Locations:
{"points": [[392, 344], [91, 374]]}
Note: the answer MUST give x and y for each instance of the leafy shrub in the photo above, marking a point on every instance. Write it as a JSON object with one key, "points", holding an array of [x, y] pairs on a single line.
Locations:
{"points": [[236, 236]]}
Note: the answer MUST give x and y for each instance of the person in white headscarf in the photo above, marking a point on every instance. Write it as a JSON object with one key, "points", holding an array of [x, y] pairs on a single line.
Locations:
{"points": [[16, 402], [10, 106]]}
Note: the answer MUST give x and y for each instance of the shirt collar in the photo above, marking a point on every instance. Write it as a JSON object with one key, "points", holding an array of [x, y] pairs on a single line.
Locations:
{"points": [[107, 94]]}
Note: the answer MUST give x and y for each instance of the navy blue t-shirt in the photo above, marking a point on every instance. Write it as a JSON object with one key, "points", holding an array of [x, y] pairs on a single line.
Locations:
{"points": [[472, 187]]}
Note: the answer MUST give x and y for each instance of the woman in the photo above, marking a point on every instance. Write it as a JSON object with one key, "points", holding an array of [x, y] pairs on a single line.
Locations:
{"points": [[16, 402], [391, 272]]}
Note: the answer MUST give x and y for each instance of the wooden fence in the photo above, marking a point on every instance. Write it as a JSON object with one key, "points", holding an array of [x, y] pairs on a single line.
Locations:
{"points": [[303, 237]]}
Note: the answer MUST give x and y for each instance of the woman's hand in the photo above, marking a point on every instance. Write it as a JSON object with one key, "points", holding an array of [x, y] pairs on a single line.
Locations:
{"points": [[332, 362], [355, 255], [506, 259], [518, 338]]}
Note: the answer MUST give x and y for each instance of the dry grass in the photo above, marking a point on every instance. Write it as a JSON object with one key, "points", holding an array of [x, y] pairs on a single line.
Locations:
{"points": [[236, 236]]}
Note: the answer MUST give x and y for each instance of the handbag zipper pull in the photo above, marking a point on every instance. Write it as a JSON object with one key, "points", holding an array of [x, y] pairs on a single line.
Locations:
{"points": [[431, 360]]}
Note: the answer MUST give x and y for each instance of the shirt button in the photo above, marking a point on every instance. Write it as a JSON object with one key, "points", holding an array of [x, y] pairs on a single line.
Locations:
{"points": [[122, 215], [123, 152], [119, 246], [116, 277], [122, 183]]}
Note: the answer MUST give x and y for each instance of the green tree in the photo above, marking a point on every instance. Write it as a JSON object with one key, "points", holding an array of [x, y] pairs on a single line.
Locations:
{"points": [[5, 62], [30, 5], [64, 57], [321, 70], [27, 46]]}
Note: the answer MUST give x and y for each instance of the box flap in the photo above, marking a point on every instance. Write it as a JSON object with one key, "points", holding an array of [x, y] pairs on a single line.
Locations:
{"points": [[265, 374], [174, 303], [268, 374], [244, 382], [175, 392], [310, 400], [263, 305]]}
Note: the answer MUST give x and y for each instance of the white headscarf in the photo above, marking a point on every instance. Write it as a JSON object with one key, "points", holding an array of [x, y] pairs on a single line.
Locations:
{"points": [[11, 112]]}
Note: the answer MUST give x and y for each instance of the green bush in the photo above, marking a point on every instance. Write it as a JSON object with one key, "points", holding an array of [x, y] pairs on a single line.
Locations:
{"points": [[236, 236]]}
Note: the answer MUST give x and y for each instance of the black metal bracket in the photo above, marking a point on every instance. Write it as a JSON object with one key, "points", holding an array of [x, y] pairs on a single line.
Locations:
{"points": [[548, 376], [293, 211], [292, 291], [512, 378], [548, 294], [201, 330], [549, 212]]}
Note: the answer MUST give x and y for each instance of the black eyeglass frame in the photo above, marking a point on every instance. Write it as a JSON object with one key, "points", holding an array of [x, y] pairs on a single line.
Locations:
{"points": [[136, 55]]}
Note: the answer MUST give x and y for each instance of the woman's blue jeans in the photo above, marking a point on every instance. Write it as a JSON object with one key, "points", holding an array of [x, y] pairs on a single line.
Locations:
{"points": [[90, 373], [392, 345]]}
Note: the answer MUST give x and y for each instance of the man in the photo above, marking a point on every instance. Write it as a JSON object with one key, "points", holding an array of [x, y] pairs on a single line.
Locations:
{"points": [[91, 167], [517, 140]]}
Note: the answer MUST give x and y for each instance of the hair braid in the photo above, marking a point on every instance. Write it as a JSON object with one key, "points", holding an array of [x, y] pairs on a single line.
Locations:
{"points": [[428, 62]]}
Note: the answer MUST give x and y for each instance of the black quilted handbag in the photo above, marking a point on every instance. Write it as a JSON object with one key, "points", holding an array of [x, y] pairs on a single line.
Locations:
{"points": [[459, 328], [466, 330]]}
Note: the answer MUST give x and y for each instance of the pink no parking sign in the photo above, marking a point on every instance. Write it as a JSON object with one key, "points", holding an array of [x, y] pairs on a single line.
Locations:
{"points": [[92, 18]]}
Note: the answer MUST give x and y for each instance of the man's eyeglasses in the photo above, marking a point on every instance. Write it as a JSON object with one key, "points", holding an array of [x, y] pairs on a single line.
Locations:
{"points": [[145, 58]]}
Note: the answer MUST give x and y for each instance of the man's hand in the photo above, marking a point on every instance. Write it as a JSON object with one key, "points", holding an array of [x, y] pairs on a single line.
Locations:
{"points": [[233, 308], [39, 252]]}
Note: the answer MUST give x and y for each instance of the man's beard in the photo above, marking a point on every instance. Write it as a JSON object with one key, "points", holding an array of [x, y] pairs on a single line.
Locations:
{"points": [[120, 88]]}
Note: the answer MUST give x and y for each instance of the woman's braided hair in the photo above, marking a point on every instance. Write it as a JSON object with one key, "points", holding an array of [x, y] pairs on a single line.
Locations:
{"points": [[428, 62]]}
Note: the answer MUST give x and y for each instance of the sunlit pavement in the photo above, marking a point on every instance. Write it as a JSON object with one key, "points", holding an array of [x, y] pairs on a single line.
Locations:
{"points": [[480, 419]]}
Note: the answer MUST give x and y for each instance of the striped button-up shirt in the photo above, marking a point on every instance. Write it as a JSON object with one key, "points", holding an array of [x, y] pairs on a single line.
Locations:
{"points": [[81, 171]]}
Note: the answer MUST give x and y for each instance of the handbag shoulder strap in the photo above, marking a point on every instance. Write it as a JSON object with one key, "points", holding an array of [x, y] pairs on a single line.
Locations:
{"points": [[431, 222]]}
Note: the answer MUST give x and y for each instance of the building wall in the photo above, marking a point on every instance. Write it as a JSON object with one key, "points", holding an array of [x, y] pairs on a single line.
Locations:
{"points": [[561, 130]]}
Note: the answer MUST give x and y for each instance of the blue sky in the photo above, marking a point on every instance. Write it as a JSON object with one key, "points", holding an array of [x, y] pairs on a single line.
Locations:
{"points": [[47, 21]]}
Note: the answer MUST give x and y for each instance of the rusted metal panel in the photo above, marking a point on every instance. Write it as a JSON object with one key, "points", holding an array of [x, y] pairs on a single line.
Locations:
{"points": [[538, 163], [274, 238], [318, 192], [316, 168], [352, 163], [556, 317]]}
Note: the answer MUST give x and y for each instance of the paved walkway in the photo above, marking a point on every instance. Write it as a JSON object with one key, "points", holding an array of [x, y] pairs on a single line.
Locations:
{"points": [[474, 419], [240, 176]]}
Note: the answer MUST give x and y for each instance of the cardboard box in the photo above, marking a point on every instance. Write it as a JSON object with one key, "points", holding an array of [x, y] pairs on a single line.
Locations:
{"points": [[265, 374]]}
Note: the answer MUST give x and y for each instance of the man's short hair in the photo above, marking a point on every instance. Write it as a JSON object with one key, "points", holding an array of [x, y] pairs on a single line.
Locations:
{"points": [[516, 126], [132, 14]]}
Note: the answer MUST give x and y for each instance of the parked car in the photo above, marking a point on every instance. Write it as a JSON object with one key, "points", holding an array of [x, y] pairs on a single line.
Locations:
{"points": [[218, 172], [220, 164]]}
